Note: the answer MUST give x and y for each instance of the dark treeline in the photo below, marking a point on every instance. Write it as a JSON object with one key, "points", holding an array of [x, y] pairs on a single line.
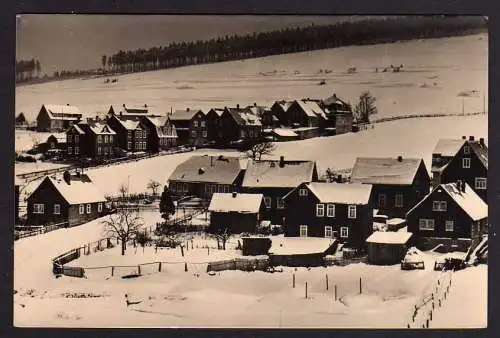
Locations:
{"points": [[27, 70], [291, 40]]}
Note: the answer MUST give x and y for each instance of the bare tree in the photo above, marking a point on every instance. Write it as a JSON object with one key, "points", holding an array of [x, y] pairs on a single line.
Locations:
{"points": [[124, 225], [222, 235], [153, 185], [123, 190], [330, 175], [365, 107], [259, 149], [35, 139]]}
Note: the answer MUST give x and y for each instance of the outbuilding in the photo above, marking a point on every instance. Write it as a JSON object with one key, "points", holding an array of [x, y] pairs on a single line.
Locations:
{"points": [[387, 247]]}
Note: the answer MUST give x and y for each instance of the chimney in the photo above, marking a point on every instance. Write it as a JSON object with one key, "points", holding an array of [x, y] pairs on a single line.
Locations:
{"points": [[145, 105], [481, 141], [459, 185], [463, 186], [238, 106], [464, 137], [97, 118], [211, 161], [400, 158], [187, 109], [234, 194], [471, 138], [67, 177], [282, 161], [67, 104], [255, 104], [123, 105], [121, 113]]}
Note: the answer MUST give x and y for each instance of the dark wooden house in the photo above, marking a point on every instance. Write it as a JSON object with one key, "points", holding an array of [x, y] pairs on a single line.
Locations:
{"points": [[465, 160], [131, 132], [339, 115], [235, 212], [56, 141], [191, 127], [388, 247], [238, 126], [331, 210], [212, 118], [161, 133], [398, 183], [91, 139], [125, 110], [201, 176], [71, 199], [279, 111], [53, 118], [274, 179], [306, 113], [452, 211]]}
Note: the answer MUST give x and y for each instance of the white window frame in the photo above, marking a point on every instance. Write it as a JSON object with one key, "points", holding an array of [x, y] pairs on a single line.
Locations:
{"points": [[193, 133], [106, 150], [320, 210], [439, 206], [185, 187], [449, 226], [76, 138], [303, 231], [202, 123], [425, 224], [350, 209], [99, 138], [89, 208], [99, 150], [344, 232], [302, 192], [328, 229], [77, 150], [267, 202], [330, 210], [57, 209], [70, 150], [384, 199], [480, 183], [81, 209], [106, 139], [195, 123], [110, 138], [129, 145], [399, 198], [38, 208], [99, 207], [466, 162], [280, 203], [205, 134], [466, 150]]}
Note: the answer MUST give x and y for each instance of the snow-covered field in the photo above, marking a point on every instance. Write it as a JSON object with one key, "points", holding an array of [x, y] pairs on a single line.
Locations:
{"points": [[433, 76]]}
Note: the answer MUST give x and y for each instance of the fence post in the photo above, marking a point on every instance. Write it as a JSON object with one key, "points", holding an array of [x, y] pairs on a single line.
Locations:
{"points": [[327, 282], [139, 269], [159, 267], [293, 281], [208, 250], [360, 288], [335, 292], [182, 250], [112, 271], [185, 266], [306, 290]]}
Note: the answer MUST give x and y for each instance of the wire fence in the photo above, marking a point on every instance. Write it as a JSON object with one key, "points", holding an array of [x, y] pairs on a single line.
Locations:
{"points": [[23, 232]]}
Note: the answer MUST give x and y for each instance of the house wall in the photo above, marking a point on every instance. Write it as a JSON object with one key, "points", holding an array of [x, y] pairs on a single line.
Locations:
{"points": [[275, 215], [198, 130], [46, 194], [280, 114], [202, 190], [236, 222], [121, 132], [464, 226], [43, 121], [295, 115], [301, 210], [212, 119], [343, 123], [182, 129], [75, 218], [386, 254]]}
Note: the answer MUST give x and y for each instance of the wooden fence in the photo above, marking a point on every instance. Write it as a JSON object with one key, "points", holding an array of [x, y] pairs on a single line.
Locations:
{"points": [[340, 261], [416, 115], [19, 233], [244, 264]]}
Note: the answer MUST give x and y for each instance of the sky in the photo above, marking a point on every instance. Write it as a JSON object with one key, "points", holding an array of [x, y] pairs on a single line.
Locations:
{"points": [[66, 41]]}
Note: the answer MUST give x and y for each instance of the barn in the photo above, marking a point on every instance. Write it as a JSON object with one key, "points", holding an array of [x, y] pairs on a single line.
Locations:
{"points": [[298, 251], [387, 247]]}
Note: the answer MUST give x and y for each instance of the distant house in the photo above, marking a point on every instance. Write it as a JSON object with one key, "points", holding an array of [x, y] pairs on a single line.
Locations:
{"points": [[452, 211], [279, 110], [300, 251], [212, 118], [91, 139], [53, 118], [161, 133], [73, 199], [238, 126], [131, 132], [274, 179], [21, 121], [331, 210], [270, 120], [339, 115], [284, 134], [129, 111], [387, 247], [465, 160], [398, 183], [191, 126], [201, 176], [306, 116], [235, 212]]}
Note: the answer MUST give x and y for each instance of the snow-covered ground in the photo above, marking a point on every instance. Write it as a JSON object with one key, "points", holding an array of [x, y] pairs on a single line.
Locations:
{"points": [[430, 81], [26, 139]]}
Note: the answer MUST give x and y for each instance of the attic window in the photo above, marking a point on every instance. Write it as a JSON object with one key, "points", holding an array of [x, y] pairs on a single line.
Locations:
{"points": [[201, 171], [466, 150]]}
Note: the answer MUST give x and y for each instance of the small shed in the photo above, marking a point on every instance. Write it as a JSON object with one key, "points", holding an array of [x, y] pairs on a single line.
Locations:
{"points": [[387, 247], [284, 134], [256, 246], [301, 251]]}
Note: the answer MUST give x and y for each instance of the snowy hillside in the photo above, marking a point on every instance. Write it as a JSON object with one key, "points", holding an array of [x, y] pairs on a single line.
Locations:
{"points": [[428, 82]]}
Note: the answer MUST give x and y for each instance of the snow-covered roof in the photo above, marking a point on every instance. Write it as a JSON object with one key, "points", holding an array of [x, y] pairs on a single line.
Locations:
{"points": [[101, 128], [448, 147], [299, 245], [284, 104], [229, 202], [244, 116], [184, 115], [467, 200], [389, 237], [213, 169], [395, 221], [162, 127], [481, 152], [304, 128], [268, 173], [341, 193], [60, 137], [311, 108], [63, 112], [379, 170], [80, 190], [78, 129], [218, 111], [284, 132]]}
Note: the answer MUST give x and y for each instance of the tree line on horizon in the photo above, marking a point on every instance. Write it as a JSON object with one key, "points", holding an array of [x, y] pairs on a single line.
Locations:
{"points": [[289, 40], [27, 70]]}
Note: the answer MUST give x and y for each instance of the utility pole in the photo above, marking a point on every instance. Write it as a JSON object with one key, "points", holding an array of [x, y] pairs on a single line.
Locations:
{"points": [[463, 106], [484, 103]]}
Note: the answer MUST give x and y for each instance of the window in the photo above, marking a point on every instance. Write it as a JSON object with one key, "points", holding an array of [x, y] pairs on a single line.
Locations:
{"points": [[448, 225], [267, 202], [185, 187], [250, 133], [99, 138], [81, 209], [205, 133], [77, 150], [303, 192], [242, 134], [129, 145], [195, 124], [439, 206], [69, 138], [38, 208], [110, 138], [99, 150], [382, 198], [106, 139], [328, 232], [344, 232], [330, 210], [173, 186], [426, 224], [70, 150], [480, 183], [57, 209], [106, 150], [280, 203], [203, 124], [99, 207], [466, 150], [352, 211], [320, 210], [399, 201], [89, 208], [303, 231], [129, 134], [466, 162], [193, 133], [76, 138]]}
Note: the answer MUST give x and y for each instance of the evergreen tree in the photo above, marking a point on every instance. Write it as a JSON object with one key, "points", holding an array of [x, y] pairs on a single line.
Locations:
{"points": [[167, 207]]}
